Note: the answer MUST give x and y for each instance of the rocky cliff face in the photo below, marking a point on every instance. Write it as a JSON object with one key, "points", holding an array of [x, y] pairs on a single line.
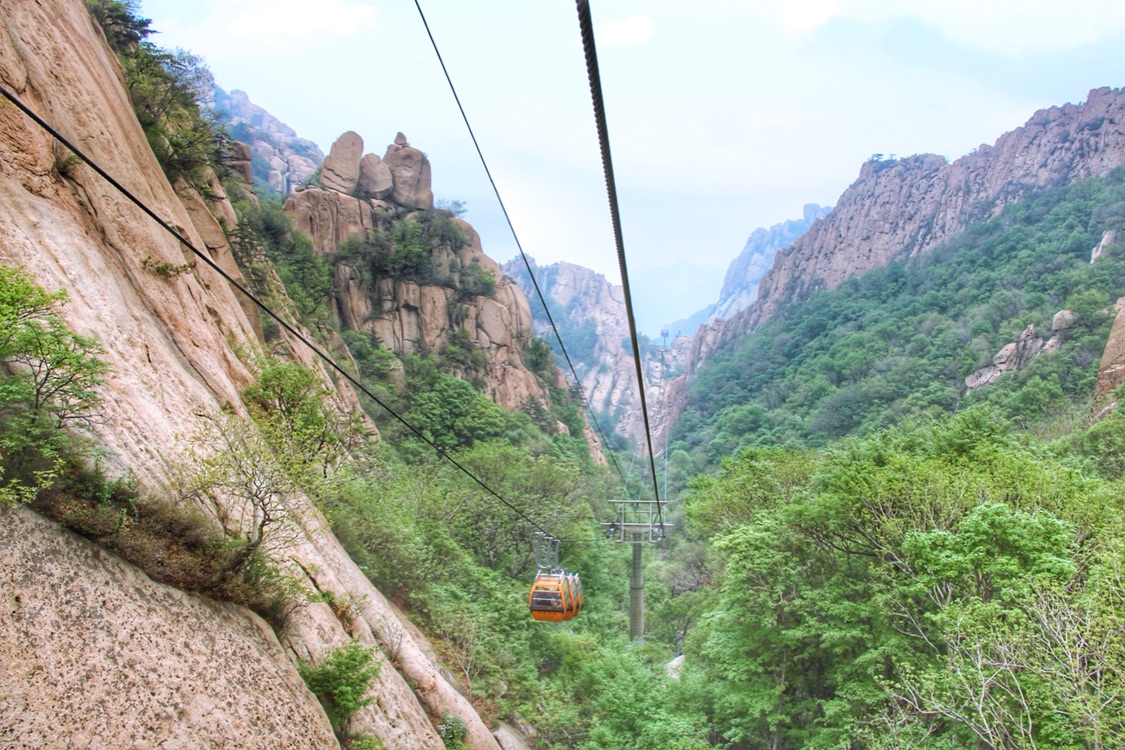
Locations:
{"points": [[740, 285], [361, 193], [176, 346], [595, 329], [278, 158], [899, 208]]}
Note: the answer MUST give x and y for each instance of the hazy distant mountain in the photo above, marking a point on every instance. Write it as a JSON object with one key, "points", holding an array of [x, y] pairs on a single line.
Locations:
{"points": [[740, 285], [281, 160]]}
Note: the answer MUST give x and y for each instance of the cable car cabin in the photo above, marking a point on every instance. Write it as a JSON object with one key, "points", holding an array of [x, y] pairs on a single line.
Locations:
{"points": [[576, 592], [552, 598]]}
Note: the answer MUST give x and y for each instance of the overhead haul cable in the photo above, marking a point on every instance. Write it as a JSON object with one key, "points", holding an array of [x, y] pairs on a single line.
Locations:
{"points": [[519, 246], [261, 305], [587, 26]]}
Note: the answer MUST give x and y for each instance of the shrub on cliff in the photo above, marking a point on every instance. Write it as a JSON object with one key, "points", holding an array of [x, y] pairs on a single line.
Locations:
{"points": [[49, 379]]}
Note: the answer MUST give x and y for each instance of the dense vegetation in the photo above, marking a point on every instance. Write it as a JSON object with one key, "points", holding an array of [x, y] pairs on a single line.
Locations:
{"points": [[941, 584], [864, 568], [899, 342]]}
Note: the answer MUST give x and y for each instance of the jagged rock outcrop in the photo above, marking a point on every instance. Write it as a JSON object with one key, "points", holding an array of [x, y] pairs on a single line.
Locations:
{"points": [[1018, 354], [405, 315], [899, 208], [177, 345], [410, 171], [375, 178], [328, 217], [740, 285], [1108, 241], [595, 328], [1111, 371], [340, 170], [284, 160], [240, 158]]}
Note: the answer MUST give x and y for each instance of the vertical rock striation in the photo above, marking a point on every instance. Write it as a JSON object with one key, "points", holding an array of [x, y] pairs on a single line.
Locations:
{"points": [[176, 345]]}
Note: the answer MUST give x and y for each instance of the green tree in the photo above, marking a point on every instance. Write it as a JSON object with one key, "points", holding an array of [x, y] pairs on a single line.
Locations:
{"points": [[341, 683], [49, 382]]}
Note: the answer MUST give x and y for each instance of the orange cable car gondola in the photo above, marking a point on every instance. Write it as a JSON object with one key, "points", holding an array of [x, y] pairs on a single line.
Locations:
{"points": [[555, 594]]}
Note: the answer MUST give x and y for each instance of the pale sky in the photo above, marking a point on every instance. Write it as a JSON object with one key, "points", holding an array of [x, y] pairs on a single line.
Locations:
{"points": [[724, 115]]}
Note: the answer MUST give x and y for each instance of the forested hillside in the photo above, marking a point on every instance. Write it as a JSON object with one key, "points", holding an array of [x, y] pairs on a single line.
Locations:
{"points": [[899, 342], [865, 552]]}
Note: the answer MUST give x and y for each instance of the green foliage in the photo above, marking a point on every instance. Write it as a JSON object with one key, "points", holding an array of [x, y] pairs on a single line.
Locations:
{"points": [[898, 342], [537, 357], [452, 731], [375, 362], [456, 208], [459, 356], [924, 581], [341, 682], [291, 406], [476, 281], [166, 88], [404, 249], [49, 382], [173, 543], [167, 270], [123, 28], [451, 414], [265, 240]]}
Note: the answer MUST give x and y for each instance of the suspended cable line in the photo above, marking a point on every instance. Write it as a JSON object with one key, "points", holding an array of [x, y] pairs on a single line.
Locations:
{"points": [[262, 305], [587, 26], [519, 246]]}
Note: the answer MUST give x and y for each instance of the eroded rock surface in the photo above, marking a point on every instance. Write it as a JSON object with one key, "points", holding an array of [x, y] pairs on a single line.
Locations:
{"points": [[96, 654], [178, 346], [340, 170]]}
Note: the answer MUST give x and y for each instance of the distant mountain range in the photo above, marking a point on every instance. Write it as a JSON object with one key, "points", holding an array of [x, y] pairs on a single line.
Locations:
{"points": [[281, 160], [740, 285]]}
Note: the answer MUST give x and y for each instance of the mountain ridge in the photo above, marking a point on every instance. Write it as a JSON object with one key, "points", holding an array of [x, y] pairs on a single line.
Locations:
{"points": [[900, 208]]}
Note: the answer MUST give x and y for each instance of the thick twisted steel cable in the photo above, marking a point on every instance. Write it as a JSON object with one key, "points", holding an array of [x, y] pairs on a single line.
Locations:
{"points": [[519, 246], [587, 26]]}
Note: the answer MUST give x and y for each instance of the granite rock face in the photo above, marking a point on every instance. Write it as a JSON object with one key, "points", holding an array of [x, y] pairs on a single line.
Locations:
{"points": [[740, 285], [1018, 354], [97, 654], [410, 171], [177, 346], [408, 315], [340, 170], [375, 179], [597, 326], [900, 208]]}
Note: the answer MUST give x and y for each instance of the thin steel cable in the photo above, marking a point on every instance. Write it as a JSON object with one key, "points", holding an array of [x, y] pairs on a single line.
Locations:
{"points": [[523, 255], [261, 305], [586, 24]]}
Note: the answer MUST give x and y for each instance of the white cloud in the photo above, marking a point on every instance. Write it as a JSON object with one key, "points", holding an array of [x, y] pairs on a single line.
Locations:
{"points": [[266, 29], [802, 16], [626, 32], [1010, 28]]}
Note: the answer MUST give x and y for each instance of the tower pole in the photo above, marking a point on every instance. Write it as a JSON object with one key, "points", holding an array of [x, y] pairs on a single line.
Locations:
{"points": [[637, 595]]}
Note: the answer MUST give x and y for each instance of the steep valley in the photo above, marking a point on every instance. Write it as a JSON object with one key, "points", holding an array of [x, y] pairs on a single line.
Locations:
{"points": [[892, 470]]}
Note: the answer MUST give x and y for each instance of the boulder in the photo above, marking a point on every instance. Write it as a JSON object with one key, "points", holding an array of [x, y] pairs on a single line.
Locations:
{"points": [[410, 172], [327, 217], [375, 181], [340, 171]]}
